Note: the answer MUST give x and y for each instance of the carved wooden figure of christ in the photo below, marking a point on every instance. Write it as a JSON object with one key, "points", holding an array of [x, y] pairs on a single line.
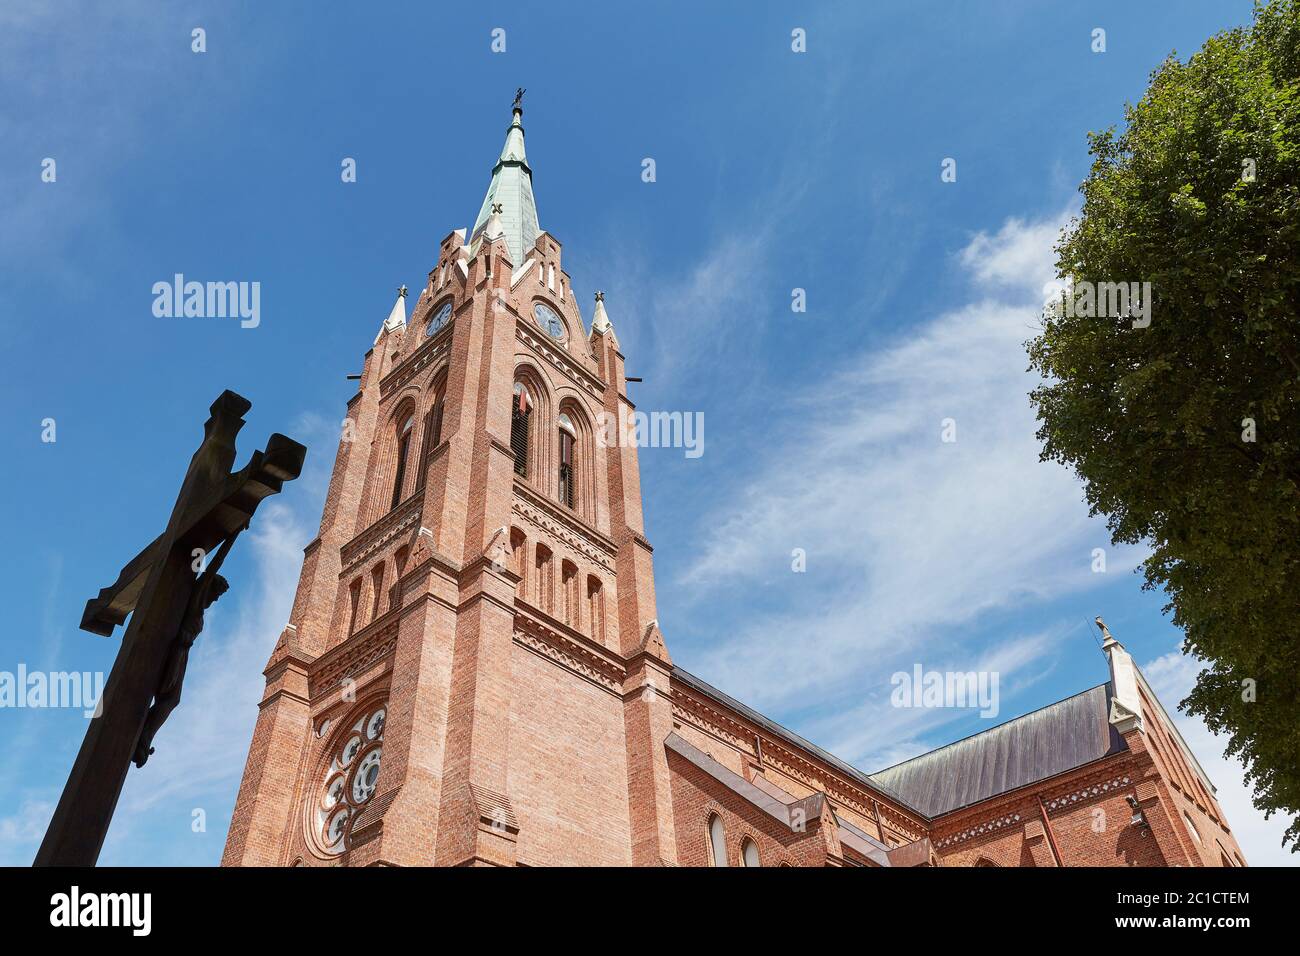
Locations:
{"points": [[166, 600]]}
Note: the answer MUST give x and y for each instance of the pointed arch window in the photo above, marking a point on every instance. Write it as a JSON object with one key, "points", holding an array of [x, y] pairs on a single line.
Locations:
{"points": [[717, 841], [354, 605], [519, 559], [520, 413], [545, 579], [432, 437], [569, 585], [749, 853], [403, 453], [568, 478], [376, 591], [596, 608]]}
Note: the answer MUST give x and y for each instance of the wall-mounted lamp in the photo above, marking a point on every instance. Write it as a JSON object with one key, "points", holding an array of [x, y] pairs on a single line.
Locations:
{"points": [[1139, 819]]}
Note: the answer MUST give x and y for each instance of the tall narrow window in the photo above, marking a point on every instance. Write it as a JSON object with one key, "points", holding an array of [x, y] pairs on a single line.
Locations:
{"points": [[545, 583], [596, 609], [717, 841], [569, 582], [519, 560], [432, 436], [403, 452], [520, 412], [399, 567], [749, 853], [567, 494], [377, 600], [354, 599]]}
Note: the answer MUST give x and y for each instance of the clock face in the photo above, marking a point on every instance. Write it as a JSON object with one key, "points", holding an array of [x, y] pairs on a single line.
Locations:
{"points": [[549, 321], [439, 318]]}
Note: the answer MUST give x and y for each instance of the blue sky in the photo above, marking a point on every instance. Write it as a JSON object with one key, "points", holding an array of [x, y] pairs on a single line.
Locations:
{"points": [[775, 171]]}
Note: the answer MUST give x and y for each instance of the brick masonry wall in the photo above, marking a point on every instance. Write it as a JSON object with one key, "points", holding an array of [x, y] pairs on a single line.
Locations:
{"points": [[743, 760], [568, 773], [696, 796]]}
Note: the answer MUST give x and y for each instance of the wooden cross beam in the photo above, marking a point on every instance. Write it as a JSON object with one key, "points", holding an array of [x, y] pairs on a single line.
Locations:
{"points": [[166, 598]]}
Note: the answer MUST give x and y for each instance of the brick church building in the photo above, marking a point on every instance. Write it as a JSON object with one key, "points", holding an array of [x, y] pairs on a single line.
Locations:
{"points": [[473, 672]]}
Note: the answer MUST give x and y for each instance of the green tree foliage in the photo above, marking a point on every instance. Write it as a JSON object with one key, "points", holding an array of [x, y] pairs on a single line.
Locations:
{"points": [[1158, 421]]}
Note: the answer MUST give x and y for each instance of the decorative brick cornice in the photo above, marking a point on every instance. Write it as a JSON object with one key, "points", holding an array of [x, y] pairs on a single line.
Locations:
{"points": [[559, 358], [1082, 794], [554, 520], [553, 644], [379, 534], [711, 720], [979, 829], [907, 826], [716, 722], [425, 355], [354, 656], [1075, 794]]}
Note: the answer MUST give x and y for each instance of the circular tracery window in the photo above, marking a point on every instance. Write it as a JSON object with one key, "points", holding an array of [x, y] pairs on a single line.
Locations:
{"points": [[348, 780]]}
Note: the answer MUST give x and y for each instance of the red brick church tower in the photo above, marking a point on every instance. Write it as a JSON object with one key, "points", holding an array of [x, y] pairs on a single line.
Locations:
{"points": [[472, 672], [469, 671]]}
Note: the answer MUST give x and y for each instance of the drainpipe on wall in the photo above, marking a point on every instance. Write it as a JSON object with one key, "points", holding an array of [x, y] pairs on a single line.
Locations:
{"points": [[1051, 836], [880, 829]]}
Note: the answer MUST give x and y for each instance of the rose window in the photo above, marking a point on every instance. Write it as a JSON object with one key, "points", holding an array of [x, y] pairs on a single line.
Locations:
{"points": [[348, 780]]}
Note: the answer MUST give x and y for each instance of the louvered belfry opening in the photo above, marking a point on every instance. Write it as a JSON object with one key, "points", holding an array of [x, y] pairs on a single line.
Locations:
{"points": [[403, 450], [432, 436], [520, 413], [566, 468]]}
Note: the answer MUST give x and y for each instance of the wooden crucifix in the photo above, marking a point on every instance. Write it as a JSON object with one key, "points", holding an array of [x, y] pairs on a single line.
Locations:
{"points": [[165, 588]]}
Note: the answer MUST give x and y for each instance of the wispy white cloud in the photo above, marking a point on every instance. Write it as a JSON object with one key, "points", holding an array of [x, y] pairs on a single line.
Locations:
{"points": [[21, 831], [674, 323], [874, 734], [925, 536], [1172, 677], [1016, 256]]}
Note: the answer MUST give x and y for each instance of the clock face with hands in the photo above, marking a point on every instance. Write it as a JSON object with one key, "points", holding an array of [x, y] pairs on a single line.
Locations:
{"points": [[439, 319], [549, 321]]}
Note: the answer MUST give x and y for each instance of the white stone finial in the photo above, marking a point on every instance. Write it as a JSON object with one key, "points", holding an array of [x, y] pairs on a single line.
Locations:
{"points": [[600, 321], [1107, 637], [1125, 701], [397, 317]]}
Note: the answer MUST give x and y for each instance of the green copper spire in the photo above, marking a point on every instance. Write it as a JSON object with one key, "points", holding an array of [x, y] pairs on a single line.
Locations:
{"points": [[512, 187]]}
